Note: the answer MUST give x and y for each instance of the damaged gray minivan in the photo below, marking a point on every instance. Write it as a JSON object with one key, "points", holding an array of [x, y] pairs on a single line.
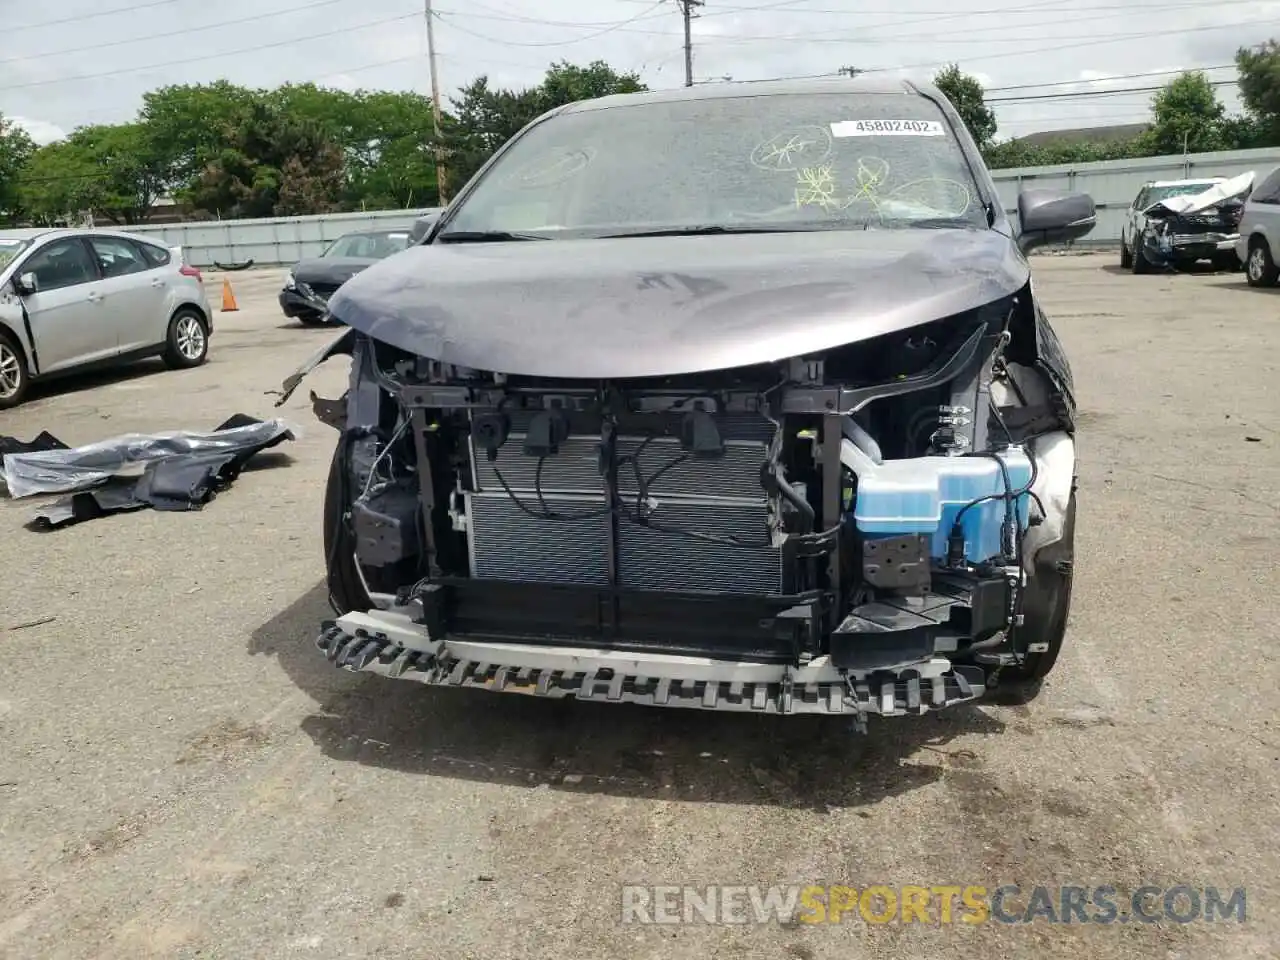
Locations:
{"points": [[735, 397]]}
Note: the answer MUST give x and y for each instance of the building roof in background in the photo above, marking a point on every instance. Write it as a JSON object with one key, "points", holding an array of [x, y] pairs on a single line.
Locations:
{"points": [[1108, 134]]}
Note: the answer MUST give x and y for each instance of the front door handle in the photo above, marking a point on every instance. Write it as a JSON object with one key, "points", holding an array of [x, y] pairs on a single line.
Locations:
{"points": [[94, 297]]}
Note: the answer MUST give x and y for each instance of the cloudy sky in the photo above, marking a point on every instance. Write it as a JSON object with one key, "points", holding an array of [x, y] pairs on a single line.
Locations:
{"points": [[89, 61]]}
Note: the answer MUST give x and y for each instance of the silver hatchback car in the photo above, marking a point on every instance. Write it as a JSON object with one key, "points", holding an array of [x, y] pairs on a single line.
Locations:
{"points": [[80, 298]]}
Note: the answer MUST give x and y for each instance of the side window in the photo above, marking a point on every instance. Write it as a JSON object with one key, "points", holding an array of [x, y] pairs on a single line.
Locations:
{"points": [[1269, 191], [1141, 200], [155, 256], [117, 257], [63, 263]]}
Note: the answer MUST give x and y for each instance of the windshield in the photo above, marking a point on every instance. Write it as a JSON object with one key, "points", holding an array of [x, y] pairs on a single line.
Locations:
{"points": [[10, 248], [787, 161], [371, 246], [1156, 194]]}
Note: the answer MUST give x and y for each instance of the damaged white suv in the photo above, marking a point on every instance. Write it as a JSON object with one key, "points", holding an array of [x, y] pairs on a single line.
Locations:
{"points": [[736, 397]]}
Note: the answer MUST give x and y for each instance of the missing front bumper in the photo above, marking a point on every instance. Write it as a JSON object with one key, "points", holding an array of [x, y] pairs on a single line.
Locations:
{"points": [[392, 644]]}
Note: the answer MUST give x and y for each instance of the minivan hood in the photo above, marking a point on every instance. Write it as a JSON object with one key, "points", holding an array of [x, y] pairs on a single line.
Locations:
{"points": [[659, 306]]}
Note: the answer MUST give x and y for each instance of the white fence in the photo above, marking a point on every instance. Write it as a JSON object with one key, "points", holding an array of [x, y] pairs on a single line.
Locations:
{"points": [[272, 240], [1112, 183]]}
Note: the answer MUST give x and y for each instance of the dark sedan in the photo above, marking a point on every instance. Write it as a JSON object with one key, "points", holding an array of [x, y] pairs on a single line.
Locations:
{"points": [[312, 282]]}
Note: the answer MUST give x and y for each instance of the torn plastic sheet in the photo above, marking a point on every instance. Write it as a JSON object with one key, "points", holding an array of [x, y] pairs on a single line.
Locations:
{"points": [[66, 470], [183, 482]]}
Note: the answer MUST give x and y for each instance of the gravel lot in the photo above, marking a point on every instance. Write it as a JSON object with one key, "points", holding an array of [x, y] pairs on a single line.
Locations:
{"points": [[184, 775]]}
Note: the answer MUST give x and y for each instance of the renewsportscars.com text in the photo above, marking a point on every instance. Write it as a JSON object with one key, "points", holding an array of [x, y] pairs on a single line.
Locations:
{"points": [[940, 904]]}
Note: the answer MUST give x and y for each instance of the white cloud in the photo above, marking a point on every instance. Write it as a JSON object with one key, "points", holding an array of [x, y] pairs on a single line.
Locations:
{"points": [[41, 131], [1005, 43]]}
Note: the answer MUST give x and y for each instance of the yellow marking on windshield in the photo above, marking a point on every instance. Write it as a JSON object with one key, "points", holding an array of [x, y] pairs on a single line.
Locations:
{"points": [[816, 187]]}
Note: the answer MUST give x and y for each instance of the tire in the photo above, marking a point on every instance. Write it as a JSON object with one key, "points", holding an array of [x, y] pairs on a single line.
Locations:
{"points": [[187, 342], [1260, 269], [346, 588], [1046, 610], [1138, 261], [346, 579], [1126, 258], [312, 320], [15, 379]]}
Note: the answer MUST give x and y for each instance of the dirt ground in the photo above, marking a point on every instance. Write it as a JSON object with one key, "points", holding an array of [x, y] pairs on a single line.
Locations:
{"points": [[183, 775]]}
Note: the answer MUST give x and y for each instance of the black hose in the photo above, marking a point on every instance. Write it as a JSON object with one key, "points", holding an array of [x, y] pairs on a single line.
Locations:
{"points": [[797, 501]]}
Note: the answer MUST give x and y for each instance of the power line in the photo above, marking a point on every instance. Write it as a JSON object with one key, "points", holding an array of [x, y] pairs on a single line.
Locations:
{"points": [[1120, 76], [291, 41], [991, 11], [1055, 48], [88, 16], [441, 15], [865, 37], [1088, 94], [169, 33], [500, 14], [1110, 11]]}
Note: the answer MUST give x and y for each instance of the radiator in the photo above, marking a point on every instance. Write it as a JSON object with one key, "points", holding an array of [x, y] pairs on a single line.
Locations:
{"points": [[716, 497], [508, 543]]}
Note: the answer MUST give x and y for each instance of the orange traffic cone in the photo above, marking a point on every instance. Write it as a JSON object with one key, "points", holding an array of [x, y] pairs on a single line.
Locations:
{"points": [[228, 297]]}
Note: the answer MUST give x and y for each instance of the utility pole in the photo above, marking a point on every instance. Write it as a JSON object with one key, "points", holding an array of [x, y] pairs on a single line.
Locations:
{"points": [[435, 101], [686, 10]]}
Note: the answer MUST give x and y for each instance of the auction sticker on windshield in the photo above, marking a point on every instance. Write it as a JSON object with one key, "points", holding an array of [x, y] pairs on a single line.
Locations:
{"points": [[888, 128]]}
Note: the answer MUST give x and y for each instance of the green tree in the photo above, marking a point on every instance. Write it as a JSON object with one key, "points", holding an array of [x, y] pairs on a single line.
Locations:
{"points": [[389, 158], [1260, 89], [16, 150], [385, 137], [60, 183], [273, 164], [107, 170], [566, 83], [968, 97], [1186, 116], [483, 119], [187, 126], [1019, 153]]}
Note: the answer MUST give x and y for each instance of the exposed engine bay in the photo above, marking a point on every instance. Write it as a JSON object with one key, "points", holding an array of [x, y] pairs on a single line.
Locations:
{"points": [[882, 527]]}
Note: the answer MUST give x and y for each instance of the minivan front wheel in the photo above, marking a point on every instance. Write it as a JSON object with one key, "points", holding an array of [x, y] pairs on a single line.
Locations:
{"points": [[1261, 268]]}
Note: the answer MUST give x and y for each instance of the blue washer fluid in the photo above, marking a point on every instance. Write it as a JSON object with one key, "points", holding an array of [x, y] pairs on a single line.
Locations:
{"points": [[924, 495]]}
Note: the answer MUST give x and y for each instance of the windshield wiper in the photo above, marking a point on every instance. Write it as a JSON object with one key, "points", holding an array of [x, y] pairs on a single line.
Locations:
{"points": [[485, 236], [707, 230], [923, 223]]}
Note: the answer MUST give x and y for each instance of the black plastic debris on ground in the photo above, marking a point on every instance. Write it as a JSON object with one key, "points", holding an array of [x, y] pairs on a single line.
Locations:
{"points": [[185, 481], [41, 442]]}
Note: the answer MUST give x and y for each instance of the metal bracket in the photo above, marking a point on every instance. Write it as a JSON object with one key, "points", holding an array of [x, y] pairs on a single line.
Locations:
{"points": [[897, 563], [333, 413]]}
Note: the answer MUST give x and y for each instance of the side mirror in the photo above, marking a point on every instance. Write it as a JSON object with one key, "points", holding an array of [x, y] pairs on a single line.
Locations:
{"points": [[26, 285], [1052, 216]]}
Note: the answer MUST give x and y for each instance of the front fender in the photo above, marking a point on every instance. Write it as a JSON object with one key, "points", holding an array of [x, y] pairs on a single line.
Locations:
{"points": [[15, 322]]}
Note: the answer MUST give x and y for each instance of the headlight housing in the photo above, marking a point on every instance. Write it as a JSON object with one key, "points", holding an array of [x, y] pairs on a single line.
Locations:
{"points": [[290, 283]]}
